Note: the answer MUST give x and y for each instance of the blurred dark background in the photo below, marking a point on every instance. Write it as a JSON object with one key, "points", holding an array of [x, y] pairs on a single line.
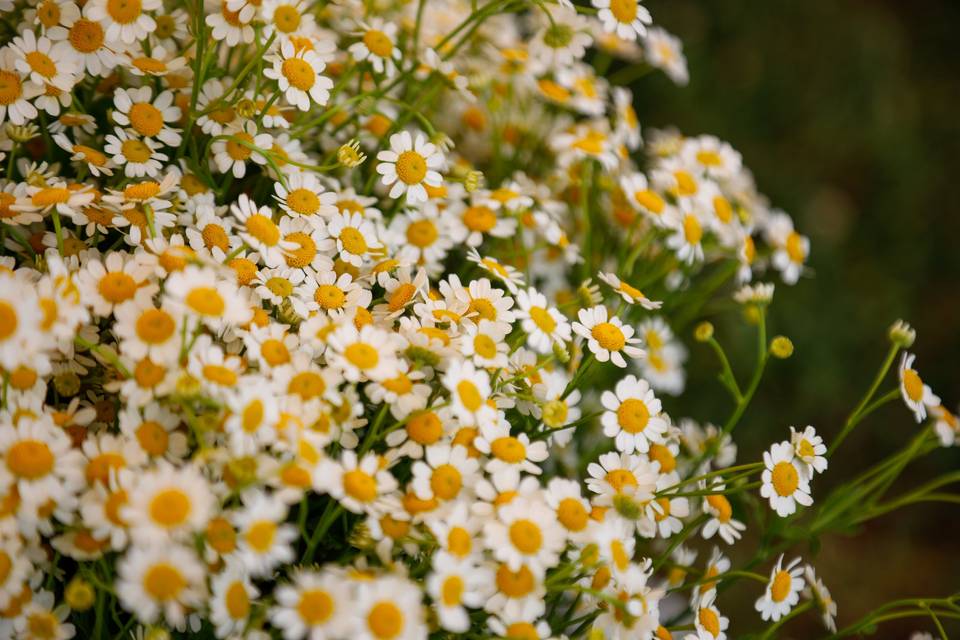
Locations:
{"points": [[847, 114]]}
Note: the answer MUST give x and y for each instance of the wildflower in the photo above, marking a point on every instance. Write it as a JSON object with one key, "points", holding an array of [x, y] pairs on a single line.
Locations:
{"points": [[785, 480], [818, 592], [607, 337], [783, 590], [917, 395], [408, 165], [298, 75]]}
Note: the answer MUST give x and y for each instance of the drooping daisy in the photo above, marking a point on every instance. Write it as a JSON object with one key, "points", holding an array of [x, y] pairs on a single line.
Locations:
{"points": [[607, 337], [665, 51], [297, 73], [160, 581], [917, 395], [630, 294], [785, 481], [544, 325], [718, 508], [632, 416], [818, 592], [408, 165], [809, 448], [783, 590]]}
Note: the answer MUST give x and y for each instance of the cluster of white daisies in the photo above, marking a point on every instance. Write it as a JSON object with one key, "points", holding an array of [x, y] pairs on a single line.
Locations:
{"points": [[307, 322]]}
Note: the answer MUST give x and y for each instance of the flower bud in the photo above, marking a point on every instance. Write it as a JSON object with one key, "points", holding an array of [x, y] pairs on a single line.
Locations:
{"points": [[246, 108], [21, 133], [561, 353], [781, 347], [67, 384], [902, 334], [703, 332], [79, 594], [350, 156], [626, 506], [472, 181]]}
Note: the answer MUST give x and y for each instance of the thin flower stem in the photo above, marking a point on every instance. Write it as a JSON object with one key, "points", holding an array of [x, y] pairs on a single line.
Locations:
{"points": [[109, 356], [854, 417], [726, 377]]}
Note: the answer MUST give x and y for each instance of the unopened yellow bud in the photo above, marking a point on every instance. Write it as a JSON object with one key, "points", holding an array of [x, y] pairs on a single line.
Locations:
{"points": [[79, 594], [246, 108], [703, 332], [781, 347], [350, 156], [473, 180]]}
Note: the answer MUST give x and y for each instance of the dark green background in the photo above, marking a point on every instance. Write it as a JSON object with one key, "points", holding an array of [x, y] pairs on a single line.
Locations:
{"points": [[847, 114]]}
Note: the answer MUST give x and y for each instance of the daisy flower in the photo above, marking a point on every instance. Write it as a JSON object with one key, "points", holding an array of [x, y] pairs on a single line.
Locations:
{"points": [[705, 594], [259, 231], [687, 236], [607, 338], [117, 280], [571, 509], [471, 223], [147, 331], [485, 344], [632, 416], [45, 63], [305, 195], [720, 513], [469, 389], [519, 593], [544, 325], [243, 143], [97, 163], [149, 117], [388, 607], [946, 425], [818, 592], [783, 590], [366, 354], [199, 292], [785, 481], [20, 316], [41, 617], [630, 294], [621, 474], [664, 51], [377, 45], [168, 502], [455, 586], [507, 274], [444, 473], [227, 25], [264, 541], [355, 235], [917, 395], [297, 73], [710, 624], [232, 594], [408, 165], [160, 581], [315, 605], [809, 448], [138, 157], [525, 533], [359, 484], [16, 90]]}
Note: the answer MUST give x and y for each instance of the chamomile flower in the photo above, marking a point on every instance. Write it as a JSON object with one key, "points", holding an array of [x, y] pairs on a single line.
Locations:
{"points": [[43, 62], [138, 157], [455, 586], [243, 144], [168, 502], [721, 520], [525, 533], [665, 51], [314, 605], [817, 591], [231, 598], [783, 590], [259, 231], [356, 237], [607, 337], [809, 448], [388, 607], [626, 18], [785, 481], [160, 582], [687, 238], [365, 354], [264, 541], [632, 416], [916, 395], [710, 624], [621, 474], [17, 90], [359, 484], [445, 473], [305, 195], [630, 294], [378, 46], [298, 74], [125, 22], [200, 293], [149, 117], [409, 165], [544, 325]]}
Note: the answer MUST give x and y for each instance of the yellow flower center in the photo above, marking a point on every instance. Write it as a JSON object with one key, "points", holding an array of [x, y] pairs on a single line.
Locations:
{"points": [[692, 230], [620, 478], [30, 459], [98, 469], [722, 506], [303, 201], [459, 542], [220, 375], [385, 620], [484, 346], [555, 413], [650, 201], [469, 395], [785, 478], [686, 185], [205, 301], [780, 587], [353, 241], [609, 336], [446, 481], [401, 296], [378, 43], [43, 625], [424, 428], [41, 63], [479, 218], [117, 287], [422, 233], [146, 119], [10, 87], [135, 151], [508, 449], [515, 584], [359, 485], [155, 326], [633, 415], [287, 18], [50, 196], [124, 11], [260, 535], [163, 582], [152, 437], [361, 355], [238, 149], [305, 252], [8, 320], [237, 601], [526, 536], [315, 606], [299, 73], [452, 591], [252, 416], [411, 167], [329, 296], [572, 514], [709, 621], [795, 247], [542, 318], [275, 352], [618, 553], [912, 384], [805, 449], [170, 508], [263, 229]]}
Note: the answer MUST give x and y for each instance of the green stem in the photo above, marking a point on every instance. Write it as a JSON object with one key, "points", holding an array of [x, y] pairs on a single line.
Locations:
{"points": [[854, 417]]}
